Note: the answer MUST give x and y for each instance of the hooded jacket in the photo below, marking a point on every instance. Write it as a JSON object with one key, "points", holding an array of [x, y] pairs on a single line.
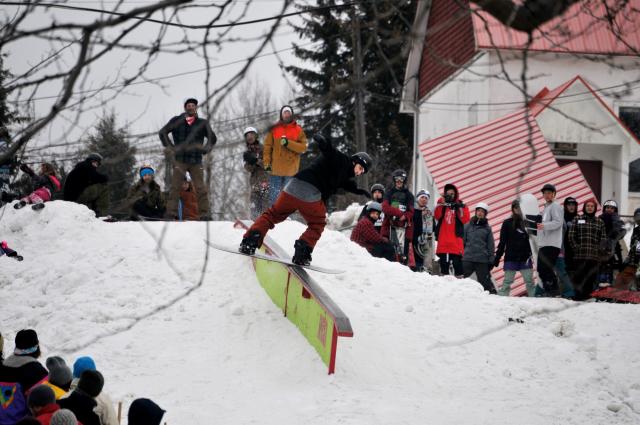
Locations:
{"points": [[478, 241], [451, 218], [81, 177], [553, 220], [586, 236], [144, 412], [284, 160]]}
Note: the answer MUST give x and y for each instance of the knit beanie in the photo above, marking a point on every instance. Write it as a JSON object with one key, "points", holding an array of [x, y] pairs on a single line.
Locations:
{"points": [[144, 412], [41, 396], [91, 382], [63, 417], [26, 342], [59, 373], [81, 364]]}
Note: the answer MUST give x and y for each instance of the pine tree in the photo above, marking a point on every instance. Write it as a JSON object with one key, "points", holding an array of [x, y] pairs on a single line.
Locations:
{"points": [[119, 159], [8, 116]]}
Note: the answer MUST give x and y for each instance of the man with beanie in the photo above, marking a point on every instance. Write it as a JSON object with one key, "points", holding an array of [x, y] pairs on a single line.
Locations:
{"points": [[145, 412], [451, 215], [479, 247], [82, 400], [59, 376], [627, 278], [85, 185], [188, 147], [549, 241], [586, 236], [64, 417], [105, 409], [19, 373], [307, 193], [42, 403], [283, 145]]}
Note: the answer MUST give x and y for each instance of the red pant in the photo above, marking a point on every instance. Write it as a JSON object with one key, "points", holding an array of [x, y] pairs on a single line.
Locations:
{"points": [[313, 212]]}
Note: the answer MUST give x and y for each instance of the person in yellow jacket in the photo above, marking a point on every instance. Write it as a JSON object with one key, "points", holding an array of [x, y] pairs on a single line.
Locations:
{"points": [[283, 146]]}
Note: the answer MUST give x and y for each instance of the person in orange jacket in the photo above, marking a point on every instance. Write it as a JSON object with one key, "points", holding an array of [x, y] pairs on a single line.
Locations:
{"points": [[451, 215]]}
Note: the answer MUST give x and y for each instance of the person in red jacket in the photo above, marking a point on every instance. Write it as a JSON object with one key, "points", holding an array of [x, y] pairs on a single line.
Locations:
{"points": [[366, 235], [42, 403], [451, 215]]}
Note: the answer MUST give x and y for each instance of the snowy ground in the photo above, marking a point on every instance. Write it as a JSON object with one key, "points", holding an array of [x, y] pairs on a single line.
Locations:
{"points": [[425, 350]]}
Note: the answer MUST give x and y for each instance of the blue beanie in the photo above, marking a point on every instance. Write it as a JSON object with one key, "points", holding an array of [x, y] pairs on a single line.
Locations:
{"points": [[81, 364]]}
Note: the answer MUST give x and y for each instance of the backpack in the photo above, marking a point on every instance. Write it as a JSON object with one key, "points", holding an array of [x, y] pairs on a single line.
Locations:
{"points": [[13, 405]]}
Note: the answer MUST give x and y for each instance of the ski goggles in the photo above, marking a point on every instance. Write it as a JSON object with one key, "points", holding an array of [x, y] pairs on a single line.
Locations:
{"points": [[399, 178], [146, 172]]}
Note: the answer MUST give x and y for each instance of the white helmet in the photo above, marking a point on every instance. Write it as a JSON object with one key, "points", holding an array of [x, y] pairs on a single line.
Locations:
{"points": [[482, 205], [250, 130]]}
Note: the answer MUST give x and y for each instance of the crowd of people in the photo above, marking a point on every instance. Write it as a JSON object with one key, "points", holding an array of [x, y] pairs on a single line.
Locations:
{"points": [[55, 394]]}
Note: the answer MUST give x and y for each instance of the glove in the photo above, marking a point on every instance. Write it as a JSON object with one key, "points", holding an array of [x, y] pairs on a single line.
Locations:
{"points": [[284, 141], [250, 158], [322, 142], [267, 168]]}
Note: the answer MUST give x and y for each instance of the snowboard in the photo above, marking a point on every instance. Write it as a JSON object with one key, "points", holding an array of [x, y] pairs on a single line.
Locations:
{"points": [[531, 213], [267, 257]]}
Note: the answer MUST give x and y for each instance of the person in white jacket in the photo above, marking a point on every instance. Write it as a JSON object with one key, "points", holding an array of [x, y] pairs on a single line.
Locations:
{"points": [[549, 241], [104, 409]]}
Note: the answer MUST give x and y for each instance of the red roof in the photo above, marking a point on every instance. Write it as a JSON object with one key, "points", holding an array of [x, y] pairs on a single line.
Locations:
{"points": [[485, 163], [583, 28]]}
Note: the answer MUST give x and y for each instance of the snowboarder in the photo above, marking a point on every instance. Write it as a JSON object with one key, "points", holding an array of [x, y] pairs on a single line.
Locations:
{"points": [[85, 185], [307, 193], [549, 241], [612, 252], [451, 215], [586, 236], [514, 244], [44, 184], [258, 177], [188, 131], [377, 195], [5, 250], [145, 198], [283, 145], [627, 278], [188, 204], [423, 233], [398, 215], [479, 248], [365, 234]]}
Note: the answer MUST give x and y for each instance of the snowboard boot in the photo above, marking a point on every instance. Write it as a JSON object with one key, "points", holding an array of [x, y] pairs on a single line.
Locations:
{"points": [[302, 254], [20, 204], [250, 243], [38, 206]]}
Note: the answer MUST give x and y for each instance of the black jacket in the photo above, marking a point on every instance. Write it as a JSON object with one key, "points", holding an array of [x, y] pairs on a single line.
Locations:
{"points": [[82, 176], [188, 140], [82, 406], [333, 170], [514, 243]]}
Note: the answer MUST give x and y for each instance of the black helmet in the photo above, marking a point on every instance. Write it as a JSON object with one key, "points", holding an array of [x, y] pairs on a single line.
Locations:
{"points": [[399, 174], [94, 156], [363, 159], [374, 206], [548, 186], [377, 186]]}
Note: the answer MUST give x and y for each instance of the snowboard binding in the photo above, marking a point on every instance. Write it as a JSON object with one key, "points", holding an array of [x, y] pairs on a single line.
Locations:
{"points": [[302, 254]]}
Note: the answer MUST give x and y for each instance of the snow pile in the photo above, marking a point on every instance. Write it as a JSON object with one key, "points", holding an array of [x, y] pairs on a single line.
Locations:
{"points": [[425, 350], [339, 220]]}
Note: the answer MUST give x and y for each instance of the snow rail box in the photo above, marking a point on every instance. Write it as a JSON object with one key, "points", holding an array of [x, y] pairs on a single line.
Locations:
{"points": [[302, 301]]}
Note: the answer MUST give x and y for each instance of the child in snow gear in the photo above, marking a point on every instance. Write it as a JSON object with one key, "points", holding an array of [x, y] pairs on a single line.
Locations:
{"points": [[188, 204], [19, 373], [365, 234], [586, 236], [514, 244], [377, 195], [188, 147], [145, 199], [549, 241], [283, 145], [423, 233], [307, 193], [44, 184], [42, 403], [451, 215], [611, 259], [258, 177], [5, 250], [398, 216], [85, 185], [627, 278], [479, 248]]}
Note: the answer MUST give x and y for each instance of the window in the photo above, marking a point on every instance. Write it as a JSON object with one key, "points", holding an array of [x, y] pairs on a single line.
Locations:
{"points": [[631, 117]]}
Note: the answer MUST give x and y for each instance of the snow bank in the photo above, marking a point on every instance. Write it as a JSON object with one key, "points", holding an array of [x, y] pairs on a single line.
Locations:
{"points": [[209, 346]]}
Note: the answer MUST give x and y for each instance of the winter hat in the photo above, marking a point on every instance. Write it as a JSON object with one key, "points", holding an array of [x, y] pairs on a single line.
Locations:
{"points": [[95, 157], [610, 203], [145, 170], [63, 417], [570, 200], [144, 412], [41, 396], [483, 206], [91, 382], [250, 130], [81, 364], [286, 108], [423, 192], [59, 373], [27, 343], [191, 100], [374, 206]]}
